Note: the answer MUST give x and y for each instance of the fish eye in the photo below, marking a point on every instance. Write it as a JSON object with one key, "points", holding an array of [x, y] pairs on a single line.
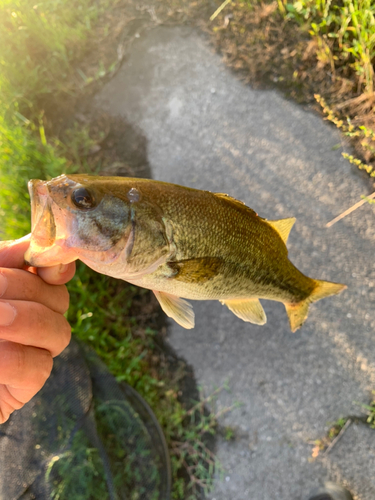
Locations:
{"points": [[82, 198]]}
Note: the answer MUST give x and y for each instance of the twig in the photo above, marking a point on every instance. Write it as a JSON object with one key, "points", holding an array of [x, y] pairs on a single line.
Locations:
{"points": [[217, 11], [339, 436], [350, 210]]}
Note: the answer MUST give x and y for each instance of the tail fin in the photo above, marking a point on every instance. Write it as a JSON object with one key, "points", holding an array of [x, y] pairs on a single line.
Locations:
{"points": [[298, 312]]}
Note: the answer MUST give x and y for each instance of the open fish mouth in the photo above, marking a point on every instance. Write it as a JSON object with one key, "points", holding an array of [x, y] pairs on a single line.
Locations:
{"points": [[43, 227]]}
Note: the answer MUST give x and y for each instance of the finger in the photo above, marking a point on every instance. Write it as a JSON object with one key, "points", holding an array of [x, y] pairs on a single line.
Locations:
{"points": [[57, 275], [12, 252], [21, 285], [33, 324], [23, 372], [24, 369]]}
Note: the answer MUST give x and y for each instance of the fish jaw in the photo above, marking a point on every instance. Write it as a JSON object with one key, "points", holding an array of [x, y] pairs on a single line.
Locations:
{"points": [[43, 225], [113, 236], [47, 244]]}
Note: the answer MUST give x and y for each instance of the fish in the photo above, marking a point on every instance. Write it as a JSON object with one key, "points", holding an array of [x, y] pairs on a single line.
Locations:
{"points": [[181, 243]]}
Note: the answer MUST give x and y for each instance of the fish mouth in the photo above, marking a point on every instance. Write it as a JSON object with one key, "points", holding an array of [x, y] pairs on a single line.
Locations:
{"points": [[43, 227]]}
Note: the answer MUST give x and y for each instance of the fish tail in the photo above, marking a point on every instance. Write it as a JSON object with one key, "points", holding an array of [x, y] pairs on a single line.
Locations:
{"points": [[297, 312]]}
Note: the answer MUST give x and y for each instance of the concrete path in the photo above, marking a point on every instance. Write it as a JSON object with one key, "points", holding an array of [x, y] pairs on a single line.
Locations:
{"points": [[207, 130]]}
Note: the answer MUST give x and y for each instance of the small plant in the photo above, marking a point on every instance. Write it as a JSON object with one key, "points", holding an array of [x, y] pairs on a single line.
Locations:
{"points": [[344, 32], [324, 444], [191, 453], [361, 134], [370, 411], [229, 433]]}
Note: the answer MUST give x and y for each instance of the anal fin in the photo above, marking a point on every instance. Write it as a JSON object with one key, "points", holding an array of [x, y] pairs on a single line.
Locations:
{"points": [[176, 308], [247, 309]]}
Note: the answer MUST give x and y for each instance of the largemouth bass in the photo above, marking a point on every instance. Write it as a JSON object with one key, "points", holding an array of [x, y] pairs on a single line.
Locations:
{"points": [[179, 242]]}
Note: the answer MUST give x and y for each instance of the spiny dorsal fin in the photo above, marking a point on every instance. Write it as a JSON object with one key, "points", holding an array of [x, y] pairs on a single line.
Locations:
{"points": [[176, 308], [247, 309], [283, 227], [236, 203]]}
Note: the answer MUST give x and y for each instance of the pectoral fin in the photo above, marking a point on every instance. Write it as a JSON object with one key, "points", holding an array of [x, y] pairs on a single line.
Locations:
{"points": [[247, 309], [195, 270], [176, 308]]}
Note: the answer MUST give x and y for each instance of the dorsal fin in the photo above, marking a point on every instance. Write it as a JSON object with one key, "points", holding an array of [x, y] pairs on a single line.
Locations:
{"points": [[234, 202], [283, 227]]}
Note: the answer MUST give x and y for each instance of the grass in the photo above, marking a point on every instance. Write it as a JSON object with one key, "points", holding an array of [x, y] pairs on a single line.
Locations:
{"points": [[344, 36], [336, 429], [99, 315], [25, 155], [344, 32], [39, 42], [308, 47], [39, 45]]}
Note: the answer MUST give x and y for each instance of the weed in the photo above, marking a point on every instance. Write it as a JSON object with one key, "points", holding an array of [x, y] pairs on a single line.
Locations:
{"points": [[229, 433], [361, 134], [39, 41], [370, 411], [344, 32], [22, 154], [324, 444], [101, 315]]}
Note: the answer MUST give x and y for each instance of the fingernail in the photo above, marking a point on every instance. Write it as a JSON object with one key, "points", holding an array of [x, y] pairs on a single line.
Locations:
{"points": [[7, 314], [3, 284], [63, 268]]}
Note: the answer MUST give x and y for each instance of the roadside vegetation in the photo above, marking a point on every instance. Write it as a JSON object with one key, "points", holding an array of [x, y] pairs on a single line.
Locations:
{"points": [[41, 50], [336, 430], [316, 51]]}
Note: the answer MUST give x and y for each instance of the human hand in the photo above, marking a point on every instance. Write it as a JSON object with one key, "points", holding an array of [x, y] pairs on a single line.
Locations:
{"points": [[33, 329]]}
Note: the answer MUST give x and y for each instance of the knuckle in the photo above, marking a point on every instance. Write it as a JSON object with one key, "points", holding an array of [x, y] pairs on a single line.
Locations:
{"points": [[36, 369], [46, 364], [40, 315], [67, 333], [19, 359], [64, 336], [64, 305]]}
